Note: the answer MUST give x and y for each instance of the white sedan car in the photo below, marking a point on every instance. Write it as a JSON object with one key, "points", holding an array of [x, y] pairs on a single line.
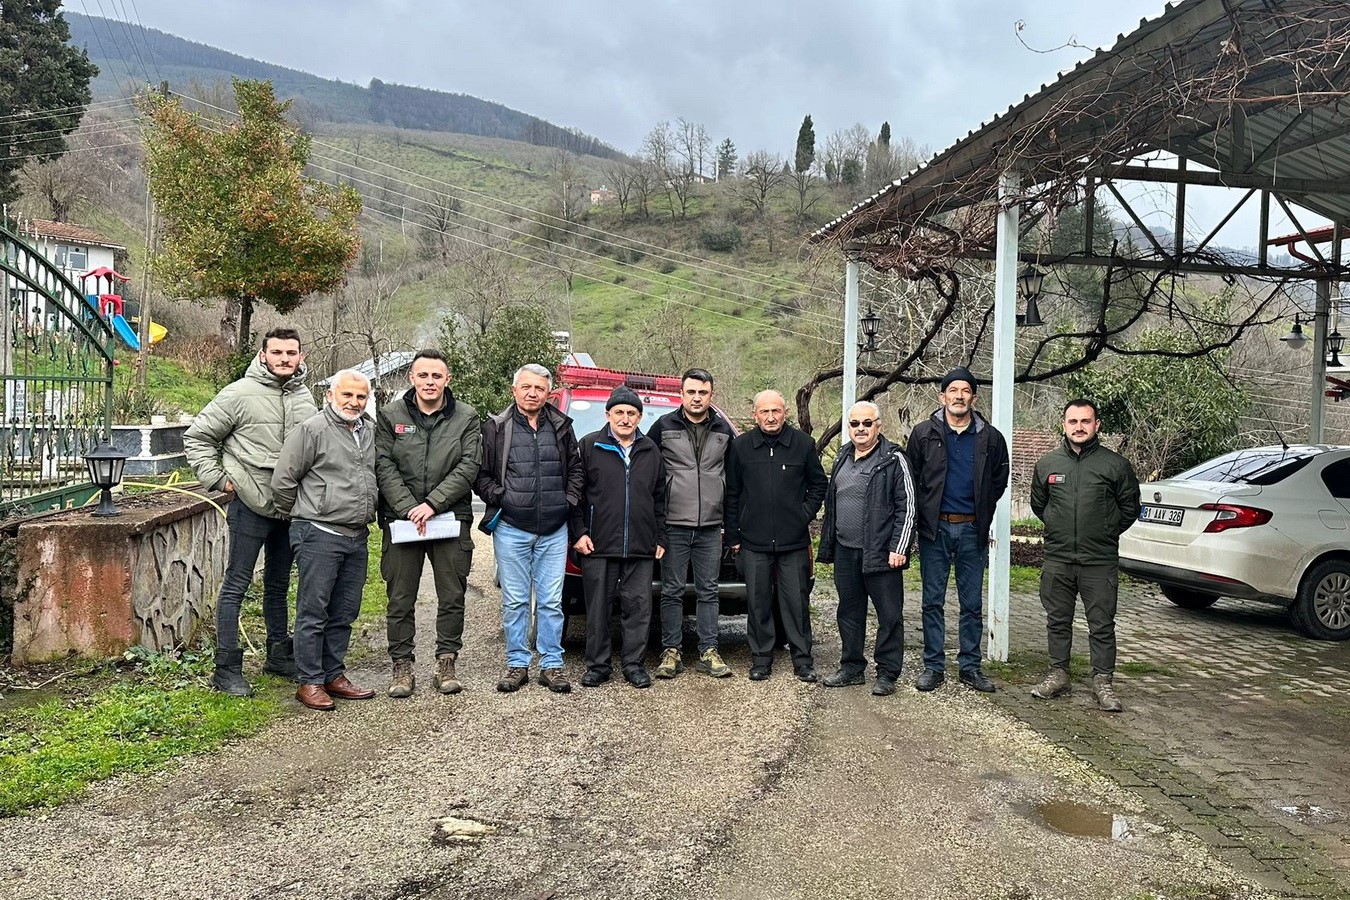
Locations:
{"points": [[1269, 524]]}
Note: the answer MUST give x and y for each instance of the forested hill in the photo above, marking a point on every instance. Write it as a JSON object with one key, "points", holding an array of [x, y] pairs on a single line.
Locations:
{"points": [[130, 54]]}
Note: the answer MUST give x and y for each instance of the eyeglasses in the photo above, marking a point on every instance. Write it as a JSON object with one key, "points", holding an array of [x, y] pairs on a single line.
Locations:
{"points": [[861, 423]]}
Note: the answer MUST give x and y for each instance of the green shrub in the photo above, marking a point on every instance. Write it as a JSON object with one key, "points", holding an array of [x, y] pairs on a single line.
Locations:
{"points": [[721, 238]]}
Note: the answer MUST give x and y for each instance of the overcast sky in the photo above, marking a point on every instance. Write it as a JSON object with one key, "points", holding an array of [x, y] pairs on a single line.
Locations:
{"points": [[749, 71]]}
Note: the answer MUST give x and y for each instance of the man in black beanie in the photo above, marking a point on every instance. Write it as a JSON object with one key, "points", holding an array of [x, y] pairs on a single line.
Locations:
{"points": [[960, 467], [619, 531]]}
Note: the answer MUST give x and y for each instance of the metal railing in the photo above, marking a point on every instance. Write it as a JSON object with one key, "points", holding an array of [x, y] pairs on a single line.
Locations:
{"points": [[56, 380]]}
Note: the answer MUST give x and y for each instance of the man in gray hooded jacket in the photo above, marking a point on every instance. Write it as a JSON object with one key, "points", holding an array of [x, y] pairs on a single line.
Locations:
{"points": [[233, 446]]}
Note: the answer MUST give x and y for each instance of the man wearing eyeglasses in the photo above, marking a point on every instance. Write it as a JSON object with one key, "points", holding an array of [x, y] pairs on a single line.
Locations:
{"points": [[960, 466], [868, 527]]}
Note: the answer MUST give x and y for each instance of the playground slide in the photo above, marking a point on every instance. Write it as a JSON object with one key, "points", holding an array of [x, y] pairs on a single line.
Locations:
{"points": [[129, 336]]}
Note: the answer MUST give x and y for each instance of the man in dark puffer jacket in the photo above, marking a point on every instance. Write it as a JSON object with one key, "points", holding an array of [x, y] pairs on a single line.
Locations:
{"points": [[530, 480]]}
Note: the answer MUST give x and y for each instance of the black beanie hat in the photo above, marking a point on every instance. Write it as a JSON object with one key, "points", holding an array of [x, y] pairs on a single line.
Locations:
{"points": [[960, 373], [622, 396]]}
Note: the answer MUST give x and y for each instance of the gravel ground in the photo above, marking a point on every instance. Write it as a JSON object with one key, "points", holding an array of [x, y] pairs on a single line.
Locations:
{"points": [[694, 788]]}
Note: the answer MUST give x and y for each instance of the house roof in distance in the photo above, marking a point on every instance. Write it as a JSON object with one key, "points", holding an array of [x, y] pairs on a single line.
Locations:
{"points": [[68, 232]]}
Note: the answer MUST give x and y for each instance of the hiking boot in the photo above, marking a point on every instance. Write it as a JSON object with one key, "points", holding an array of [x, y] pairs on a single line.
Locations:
{"points": [[1055, 682], [514, 679], [444, 679], [1105, 693], [553, 680], [228, 677], [843, 678], [281, 659], [671, 664], [710, 663], [402, 683]]}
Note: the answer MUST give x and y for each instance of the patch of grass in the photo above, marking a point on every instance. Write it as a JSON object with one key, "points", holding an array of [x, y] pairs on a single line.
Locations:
{"points": [[159, 711], [1143, 667], [1029, 666]]}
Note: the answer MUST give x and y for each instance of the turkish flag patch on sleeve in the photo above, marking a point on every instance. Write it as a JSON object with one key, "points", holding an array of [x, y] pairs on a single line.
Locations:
{"points": [[1055, 478], [405, 429]]}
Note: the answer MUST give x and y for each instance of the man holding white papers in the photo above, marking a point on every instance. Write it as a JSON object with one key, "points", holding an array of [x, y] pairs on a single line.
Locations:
{"points": [[428, 451]]}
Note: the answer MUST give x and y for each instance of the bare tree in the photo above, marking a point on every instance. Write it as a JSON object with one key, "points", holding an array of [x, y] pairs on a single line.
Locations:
{"points": [[620, 176], [762, 179], [439, 220]]}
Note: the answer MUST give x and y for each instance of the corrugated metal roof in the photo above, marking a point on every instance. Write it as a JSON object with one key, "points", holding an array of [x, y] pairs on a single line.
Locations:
{"points": [[389, 364], [1316, 146]]}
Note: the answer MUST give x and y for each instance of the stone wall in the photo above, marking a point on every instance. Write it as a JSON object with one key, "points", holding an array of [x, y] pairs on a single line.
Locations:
{"points": [[96, 586]]}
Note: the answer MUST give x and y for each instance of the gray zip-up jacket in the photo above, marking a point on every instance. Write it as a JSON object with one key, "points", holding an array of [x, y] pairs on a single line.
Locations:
{"points": [[696, 483], [238, 435], [326, 474]]}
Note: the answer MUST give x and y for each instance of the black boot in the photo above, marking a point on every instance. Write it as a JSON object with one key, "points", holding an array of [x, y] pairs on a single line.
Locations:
{"points": [[281, 659], [229, 675]]}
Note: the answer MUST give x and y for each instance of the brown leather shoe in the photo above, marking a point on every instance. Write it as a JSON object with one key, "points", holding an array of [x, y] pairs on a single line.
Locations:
{"points": [[343, 689], [315, 697]]}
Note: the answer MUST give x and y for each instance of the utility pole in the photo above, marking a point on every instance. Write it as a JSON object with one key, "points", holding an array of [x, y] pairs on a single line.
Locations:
{"points": [[151, 245]]}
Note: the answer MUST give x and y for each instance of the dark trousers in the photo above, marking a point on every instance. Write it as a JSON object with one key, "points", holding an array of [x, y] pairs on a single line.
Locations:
{"points": [[699, 550], [887, 590], [957, 546], [629, 580], [401, 568], [793, 571], [1061, 585], [332, 572], [251, 534]]}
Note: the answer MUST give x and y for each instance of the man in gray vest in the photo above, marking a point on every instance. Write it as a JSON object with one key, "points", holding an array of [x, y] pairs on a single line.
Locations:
{"points": [[694, 440], [232, 446], [531, 479]]}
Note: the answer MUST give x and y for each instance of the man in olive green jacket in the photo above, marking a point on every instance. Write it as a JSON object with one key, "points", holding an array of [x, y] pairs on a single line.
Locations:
{"points": [[1087, 496], [233, 446], [428, 449]]}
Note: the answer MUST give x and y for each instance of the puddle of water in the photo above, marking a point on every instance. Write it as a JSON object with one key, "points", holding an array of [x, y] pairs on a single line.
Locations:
{"points": [[1082, 820]]}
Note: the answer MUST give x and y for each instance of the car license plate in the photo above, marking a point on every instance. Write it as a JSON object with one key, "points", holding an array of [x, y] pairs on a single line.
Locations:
{"points": [[1161, 515]]}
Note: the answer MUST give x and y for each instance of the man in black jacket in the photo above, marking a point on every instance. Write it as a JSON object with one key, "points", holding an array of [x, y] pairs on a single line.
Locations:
{"points": [[1087, 496], [694, 440], [531, 480], [868, 527], [775, 485], [618, 531], [960, 467]]}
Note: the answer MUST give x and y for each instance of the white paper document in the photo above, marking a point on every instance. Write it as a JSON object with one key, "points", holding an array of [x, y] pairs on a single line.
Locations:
{"points": [[438, 529]]}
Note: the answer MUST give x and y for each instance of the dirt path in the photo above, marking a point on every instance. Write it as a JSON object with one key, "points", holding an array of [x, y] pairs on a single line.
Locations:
{"points": [[697, 788]]}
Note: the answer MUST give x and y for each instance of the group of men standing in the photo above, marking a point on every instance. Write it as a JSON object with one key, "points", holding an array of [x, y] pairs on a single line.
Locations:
{"points": [[307, 483]]}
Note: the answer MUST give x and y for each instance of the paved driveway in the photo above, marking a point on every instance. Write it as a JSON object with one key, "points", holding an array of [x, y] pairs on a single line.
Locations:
{"points": [[1235, 729]]}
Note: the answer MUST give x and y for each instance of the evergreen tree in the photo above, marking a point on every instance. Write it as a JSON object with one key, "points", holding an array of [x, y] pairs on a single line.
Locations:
{"points": [[44, 87], [806, 146], [726, 159], [884, 138]]}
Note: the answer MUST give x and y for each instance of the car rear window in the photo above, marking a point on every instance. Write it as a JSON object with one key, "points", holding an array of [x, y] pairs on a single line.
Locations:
{"points": [[589, 415], [1268, 465]]}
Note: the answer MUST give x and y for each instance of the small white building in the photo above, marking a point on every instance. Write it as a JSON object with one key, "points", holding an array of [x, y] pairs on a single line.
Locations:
{"points": [[74, 249]]}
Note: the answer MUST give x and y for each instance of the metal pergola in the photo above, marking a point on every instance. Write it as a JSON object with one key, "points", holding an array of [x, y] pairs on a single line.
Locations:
{"points": [[1250, 95]]}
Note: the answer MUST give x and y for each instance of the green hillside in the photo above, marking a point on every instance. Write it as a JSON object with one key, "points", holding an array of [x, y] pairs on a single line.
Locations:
{"points": [[130, 56]]}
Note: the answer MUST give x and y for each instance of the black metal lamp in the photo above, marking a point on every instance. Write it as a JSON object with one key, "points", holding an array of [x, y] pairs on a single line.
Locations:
{"points": [[105, 471], [1295, 339], [870, 324], [1029, 282], [1335, 344]]}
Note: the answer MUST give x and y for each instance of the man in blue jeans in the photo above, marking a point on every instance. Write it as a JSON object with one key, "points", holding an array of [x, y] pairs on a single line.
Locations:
{"points": [[232, 446], [530, 480], [960, 468]]}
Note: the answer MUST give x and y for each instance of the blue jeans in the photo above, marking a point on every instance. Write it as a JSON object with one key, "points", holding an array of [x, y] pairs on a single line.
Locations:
{"points": [[957, 545], [701, 550], [251, 534], [332, 573], [525, 562]]}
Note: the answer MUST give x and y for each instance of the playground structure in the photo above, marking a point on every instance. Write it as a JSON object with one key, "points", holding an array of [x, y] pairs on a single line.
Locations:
{"points": [[110, 305]]}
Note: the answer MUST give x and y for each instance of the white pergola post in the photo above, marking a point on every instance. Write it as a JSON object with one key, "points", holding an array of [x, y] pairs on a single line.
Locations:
{"points": [[1005, 343], [850, 345]]}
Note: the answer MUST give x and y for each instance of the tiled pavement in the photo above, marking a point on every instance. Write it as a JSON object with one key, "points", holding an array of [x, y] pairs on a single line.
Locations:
{"points": [[1234, 730]]}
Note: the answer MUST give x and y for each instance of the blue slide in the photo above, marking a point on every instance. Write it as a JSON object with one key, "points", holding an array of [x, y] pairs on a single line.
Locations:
{"points": [[126, 332]]}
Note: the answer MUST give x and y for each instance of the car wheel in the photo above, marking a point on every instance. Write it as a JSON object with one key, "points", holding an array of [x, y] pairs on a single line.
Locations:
{"points": [[1187, 598], [1322, 608]]}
